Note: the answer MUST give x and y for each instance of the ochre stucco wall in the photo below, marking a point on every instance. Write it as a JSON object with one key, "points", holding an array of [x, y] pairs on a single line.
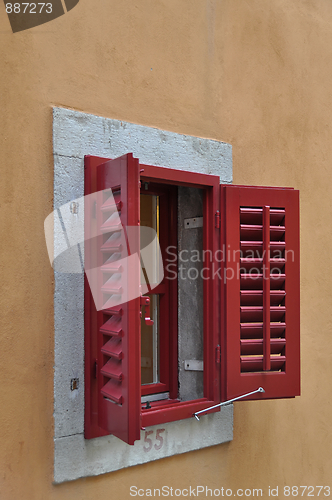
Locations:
{"points": [[256, 74]]}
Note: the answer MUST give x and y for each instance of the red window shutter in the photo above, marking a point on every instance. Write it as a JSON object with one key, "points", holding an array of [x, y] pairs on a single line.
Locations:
{"points": [[112, 332], [261, 320]]}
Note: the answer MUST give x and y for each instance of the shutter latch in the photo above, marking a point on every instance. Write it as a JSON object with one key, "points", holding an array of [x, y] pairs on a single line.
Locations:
{"points": [[145, 301], [260, 389]]}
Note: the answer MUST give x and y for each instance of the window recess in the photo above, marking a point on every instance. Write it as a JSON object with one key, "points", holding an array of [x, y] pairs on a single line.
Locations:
{"points": [[227, 299]]}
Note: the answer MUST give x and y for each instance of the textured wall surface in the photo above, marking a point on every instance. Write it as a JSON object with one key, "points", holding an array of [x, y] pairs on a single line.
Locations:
{"points": [[256, 75]]}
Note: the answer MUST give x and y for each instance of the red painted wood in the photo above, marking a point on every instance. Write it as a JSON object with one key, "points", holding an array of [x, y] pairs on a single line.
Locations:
{"points": [[258, 317], [177, 177], [112, 400], [174, 411], [92, 428], [172, 301], [122, 418], [266, 289], [156, 176], [211, 292], [246, 342], [166, 289]]}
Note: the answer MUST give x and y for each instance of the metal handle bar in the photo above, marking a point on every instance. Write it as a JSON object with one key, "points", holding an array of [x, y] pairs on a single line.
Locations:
{"points": [[260, 389]]}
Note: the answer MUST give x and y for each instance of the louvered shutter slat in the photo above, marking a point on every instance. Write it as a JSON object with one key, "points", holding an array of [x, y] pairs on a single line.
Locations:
{"points": [[113, 391], [114, 311], [254, 216], [112, 327], [112, 244], [113, 284], [252, 347], [112, 223], [255, 297], [264, 313], [256, 364], [113, 370], [248, 248], [111, 268], [252, 281], [254, 233], [255, 330], [113, 348], [113, 202]]}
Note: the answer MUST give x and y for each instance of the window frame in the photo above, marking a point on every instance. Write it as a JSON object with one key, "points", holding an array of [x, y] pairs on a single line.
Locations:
{"points": [[168, 288], [217, 299], [177, 410], [172, 409]]}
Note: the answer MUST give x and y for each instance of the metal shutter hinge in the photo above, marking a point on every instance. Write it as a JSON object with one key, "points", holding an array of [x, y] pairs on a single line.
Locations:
{"points": [[217, 219], [195, 365], [193, 222], [218, 354]]}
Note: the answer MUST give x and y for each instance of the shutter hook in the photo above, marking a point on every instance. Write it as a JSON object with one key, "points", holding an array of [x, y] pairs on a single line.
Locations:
{"points": [[145, 301], [260, 389]]}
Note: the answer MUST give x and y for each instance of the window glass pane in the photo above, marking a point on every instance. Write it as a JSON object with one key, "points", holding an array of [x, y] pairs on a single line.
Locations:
{"points": [[150, 344], [149, 217]]}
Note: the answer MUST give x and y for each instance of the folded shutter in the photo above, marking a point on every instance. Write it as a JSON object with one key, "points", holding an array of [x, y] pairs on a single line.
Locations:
{"points": [[261, 333], [115, 325]]}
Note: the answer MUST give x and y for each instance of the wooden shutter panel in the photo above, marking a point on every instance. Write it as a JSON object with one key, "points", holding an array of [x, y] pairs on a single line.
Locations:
{"points": [[115, 327], [260, 318]]}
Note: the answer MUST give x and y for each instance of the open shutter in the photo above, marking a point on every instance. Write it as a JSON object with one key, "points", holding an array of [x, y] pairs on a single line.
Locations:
{"points": [[260, 239], [114, 317]]}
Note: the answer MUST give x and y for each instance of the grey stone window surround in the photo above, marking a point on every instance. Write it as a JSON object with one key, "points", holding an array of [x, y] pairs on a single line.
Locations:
{"points": [[76, 134]]}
